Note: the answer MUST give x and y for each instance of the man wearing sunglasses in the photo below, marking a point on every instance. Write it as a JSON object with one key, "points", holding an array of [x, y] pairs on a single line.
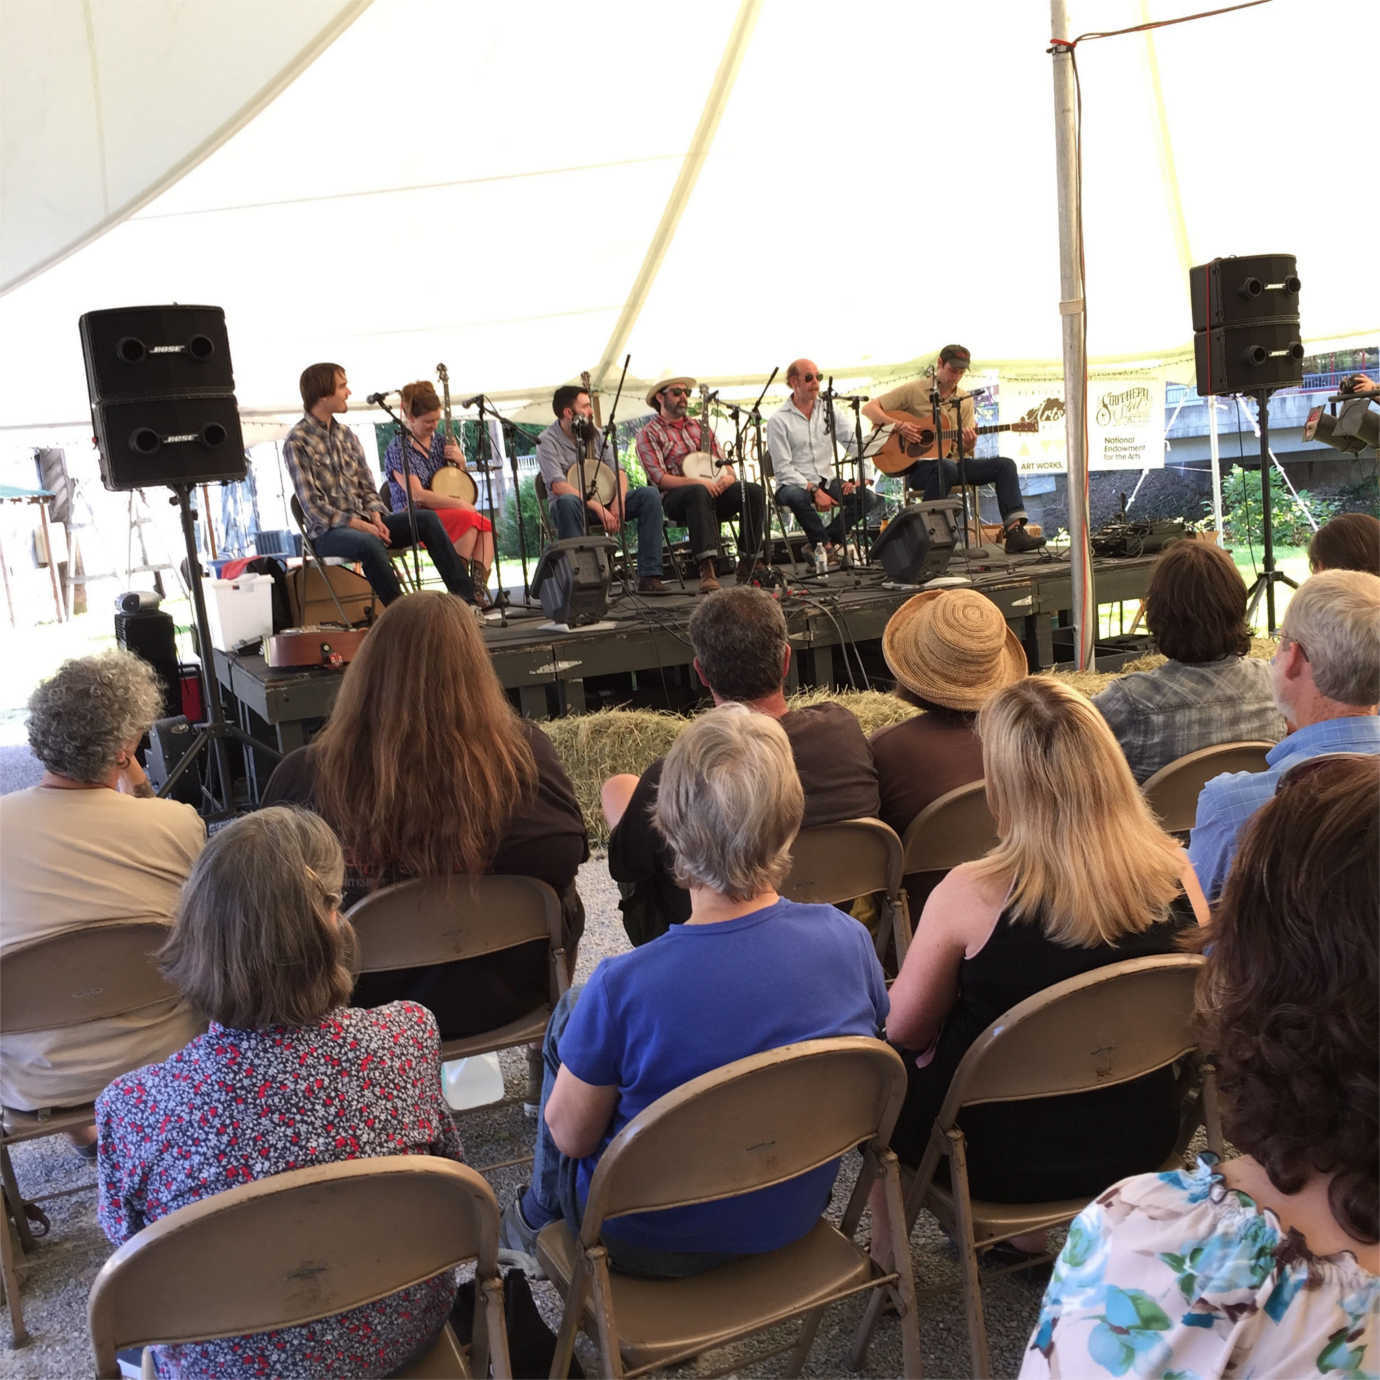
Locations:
{"points": [[699, 504], [802, 457], [910, 407]]}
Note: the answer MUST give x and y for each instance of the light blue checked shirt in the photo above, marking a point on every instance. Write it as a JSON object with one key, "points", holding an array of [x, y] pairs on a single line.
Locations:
{"points": [[1229, 800]]}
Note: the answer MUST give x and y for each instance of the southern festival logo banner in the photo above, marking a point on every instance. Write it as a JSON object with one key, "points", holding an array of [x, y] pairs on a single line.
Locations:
{"points": [[1125, 421]]}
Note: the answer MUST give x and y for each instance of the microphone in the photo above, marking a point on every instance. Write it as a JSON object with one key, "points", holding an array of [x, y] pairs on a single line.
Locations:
{"points": [[374, 399], [470, 402]]}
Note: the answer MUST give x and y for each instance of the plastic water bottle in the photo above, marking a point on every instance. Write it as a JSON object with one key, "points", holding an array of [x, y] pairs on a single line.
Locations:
{"points": [[821, 562], [473, 1082]]}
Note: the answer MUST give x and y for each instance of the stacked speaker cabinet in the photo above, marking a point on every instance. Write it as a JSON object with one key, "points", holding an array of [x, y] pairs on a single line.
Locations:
{"points": [[162, 396], [1246, 324]]}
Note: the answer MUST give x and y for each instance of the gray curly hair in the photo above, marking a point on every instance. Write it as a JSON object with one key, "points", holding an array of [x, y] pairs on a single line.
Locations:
{"points": [[90, 710]]}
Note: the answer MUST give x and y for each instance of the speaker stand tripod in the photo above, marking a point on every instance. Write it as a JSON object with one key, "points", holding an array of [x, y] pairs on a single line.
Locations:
{"points": [[215, 733], [1264, 583]]}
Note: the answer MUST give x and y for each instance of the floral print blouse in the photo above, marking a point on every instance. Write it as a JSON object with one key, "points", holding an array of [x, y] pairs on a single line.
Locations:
{"points": [[1178, 1277], [238, 1105]]}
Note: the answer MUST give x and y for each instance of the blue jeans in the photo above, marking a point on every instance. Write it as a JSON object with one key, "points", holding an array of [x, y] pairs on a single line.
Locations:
{"points": [[554, 1191], [372, 554], [849, 508], [643, 506], [936, 478]]}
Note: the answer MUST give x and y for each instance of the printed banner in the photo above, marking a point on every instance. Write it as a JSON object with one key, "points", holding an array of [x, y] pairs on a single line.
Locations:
{"points": [[1125, 421]]}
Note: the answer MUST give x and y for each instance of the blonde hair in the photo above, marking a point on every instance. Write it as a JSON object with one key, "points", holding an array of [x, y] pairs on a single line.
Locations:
{"points": [[1084, 852], [423, 761], [730, 803]]}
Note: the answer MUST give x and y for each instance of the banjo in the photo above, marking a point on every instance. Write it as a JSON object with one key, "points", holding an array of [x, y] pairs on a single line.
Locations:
{"points": [[453, 481], [589, 476], [701, 464]]}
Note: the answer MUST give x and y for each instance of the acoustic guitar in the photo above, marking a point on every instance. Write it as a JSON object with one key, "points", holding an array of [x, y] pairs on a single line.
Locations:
{"points": [[886, 449]]}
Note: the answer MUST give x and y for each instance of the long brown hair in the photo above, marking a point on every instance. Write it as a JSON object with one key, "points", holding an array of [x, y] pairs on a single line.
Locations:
{"points": [[1075, 835], [423, 761], [1288, 1000]]}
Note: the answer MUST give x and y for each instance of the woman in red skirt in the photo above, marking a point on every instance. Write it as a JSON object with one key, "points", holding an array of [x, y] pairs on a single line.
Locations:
{"points": [[429, 450]]}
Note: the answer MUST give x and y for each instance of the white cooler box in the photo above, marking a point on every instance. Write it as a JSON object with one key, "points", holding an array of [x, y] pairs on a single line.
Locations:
{"points": [[239, 611]]}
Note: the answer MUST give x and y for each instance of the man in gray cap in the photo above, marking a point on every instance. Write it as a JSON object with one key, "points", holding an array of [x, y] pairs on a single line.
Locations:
{"points": [[699, 503], [910, 408]]}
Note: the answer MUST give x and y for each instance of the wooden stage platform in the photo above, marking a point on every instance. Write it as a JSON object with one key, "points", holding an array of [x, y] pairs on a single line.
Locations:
{"points": [[548, 673]]}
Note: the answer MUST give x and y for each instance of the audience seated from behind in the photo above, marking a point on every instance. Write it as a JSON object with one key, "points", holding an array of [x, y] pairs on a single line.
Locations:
{"points": [[1325, 675], [747, 972], [424, 770], [90, 844], [1081, 877], [1209, 691], [287, 1075], [1350, 541], [1267, 1264], [950, 651], [742, 655]]}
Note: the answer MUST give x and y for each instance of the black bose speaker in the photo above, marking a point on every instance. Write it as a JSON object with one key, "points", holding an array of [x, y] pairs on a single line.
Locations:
{"points": [[572, 579], [918, 542], [162, 395], [1246, 323]]}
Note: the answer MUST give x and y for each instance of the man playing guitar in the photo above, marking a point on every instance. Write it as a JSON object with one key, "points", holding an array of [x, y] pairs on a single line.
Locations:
{"points": [[571, 438], [909, 409]]}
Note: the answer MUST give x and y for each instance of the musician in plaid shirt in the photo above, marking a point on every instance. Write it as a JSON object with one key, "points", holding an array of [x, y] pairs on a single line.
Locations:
{"points": [[699, 504], [343, 513]]}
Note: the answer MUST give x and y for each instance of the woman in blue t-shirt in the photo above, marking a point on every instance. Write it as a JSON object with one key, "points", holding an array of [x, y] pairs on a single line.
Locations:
{"points": [[748, 972]]}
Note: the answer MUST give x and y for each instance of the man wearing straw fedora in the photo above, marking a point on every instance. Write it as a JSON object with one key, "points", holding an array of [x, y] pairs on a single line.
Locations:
{"points": [[700, 504], [950, 651]]}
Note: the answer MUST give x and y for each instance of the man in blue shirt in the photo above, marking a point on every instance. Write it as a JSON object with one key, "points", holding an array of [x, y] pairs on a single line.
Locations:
{"points": [[748, 972], [1326, 681]]}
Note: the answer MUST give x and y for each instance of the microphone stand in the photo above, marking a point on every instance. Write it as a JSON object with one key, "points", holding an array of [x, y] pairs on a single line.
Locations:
{"points": [[486, 461], [856, 401], [610, 447], [764, 461], [405, 441], [736, 413]]}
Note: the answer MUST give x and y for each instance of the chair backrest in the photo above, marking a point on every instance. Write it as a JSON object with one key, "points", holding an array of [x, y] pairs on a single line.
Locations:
{"points": [[1172, 792], [837, 862], [1092, 1031], [291, 1248], [89, 974], [385, 496], [298, 516], [750, 1124], [956, 828], [430, 920]]}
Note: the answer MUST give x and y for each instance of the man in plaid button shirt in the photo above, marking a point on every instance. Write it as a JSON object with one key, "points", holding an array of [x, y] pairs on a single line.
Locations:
{"points": [[339, 496]]}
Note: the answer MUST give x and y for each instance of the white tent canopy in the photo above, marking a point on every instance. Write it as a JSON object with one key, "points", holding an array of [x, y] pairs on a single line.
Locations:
{"points": [[713, 190]]}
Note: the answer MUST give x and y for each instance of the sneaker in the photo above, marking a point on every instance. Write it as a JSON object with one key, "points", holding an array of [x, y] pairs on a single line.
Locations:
{"points": [[1019, 541], [517, 1242], [650, 584], [709, 577]]}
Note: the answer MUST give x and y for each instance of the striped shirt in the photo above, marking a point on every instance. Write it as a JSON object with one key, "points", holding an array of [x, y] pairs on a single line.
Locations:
{"points": [[662, 446], [331, 476], [1161, 715]]}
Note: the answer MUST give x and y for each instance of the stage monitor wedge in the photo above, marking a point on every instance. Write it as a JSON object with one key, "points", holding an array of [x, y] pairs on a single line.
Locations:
{"points": [[162, 395], [918, 543]]}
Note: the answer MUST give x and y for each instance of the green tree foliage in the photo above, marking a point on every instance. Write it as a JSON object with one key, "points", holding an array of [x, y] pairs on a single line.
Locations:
{"points": [[1241, 509]]}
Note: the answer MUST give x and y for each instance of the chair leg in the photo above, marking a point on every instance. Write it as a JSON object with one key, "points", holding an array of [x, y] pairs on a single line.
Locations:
{"points": [[16, 1199], [570, 1320], [671, 551], [805, 1341], [863, 1335], [603, 1311], [10, 1276], [967, 1255], [902, 1264], [490, 1337]]}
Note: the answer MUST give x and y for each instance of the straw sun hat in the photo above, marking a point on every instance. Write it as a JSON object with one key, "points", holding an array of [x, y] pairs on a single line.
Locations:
{"points": [[952, 647], [666, 383]]}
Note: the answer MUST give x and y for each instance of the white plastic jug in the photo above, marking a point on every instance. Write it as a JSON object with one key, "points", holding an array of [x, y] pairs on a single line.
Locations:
{"points": [[473, 1082]]}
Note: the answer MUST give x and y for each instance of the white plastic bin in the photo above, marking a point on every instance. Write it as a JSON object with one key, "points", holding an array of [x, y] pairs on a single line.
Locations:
{"points": [[240, 610]]}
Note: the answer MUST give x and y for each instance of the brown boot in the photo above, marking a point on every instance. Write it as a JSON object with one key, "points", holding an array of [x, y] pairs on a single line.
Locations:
{"points": [[709, 576]]}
